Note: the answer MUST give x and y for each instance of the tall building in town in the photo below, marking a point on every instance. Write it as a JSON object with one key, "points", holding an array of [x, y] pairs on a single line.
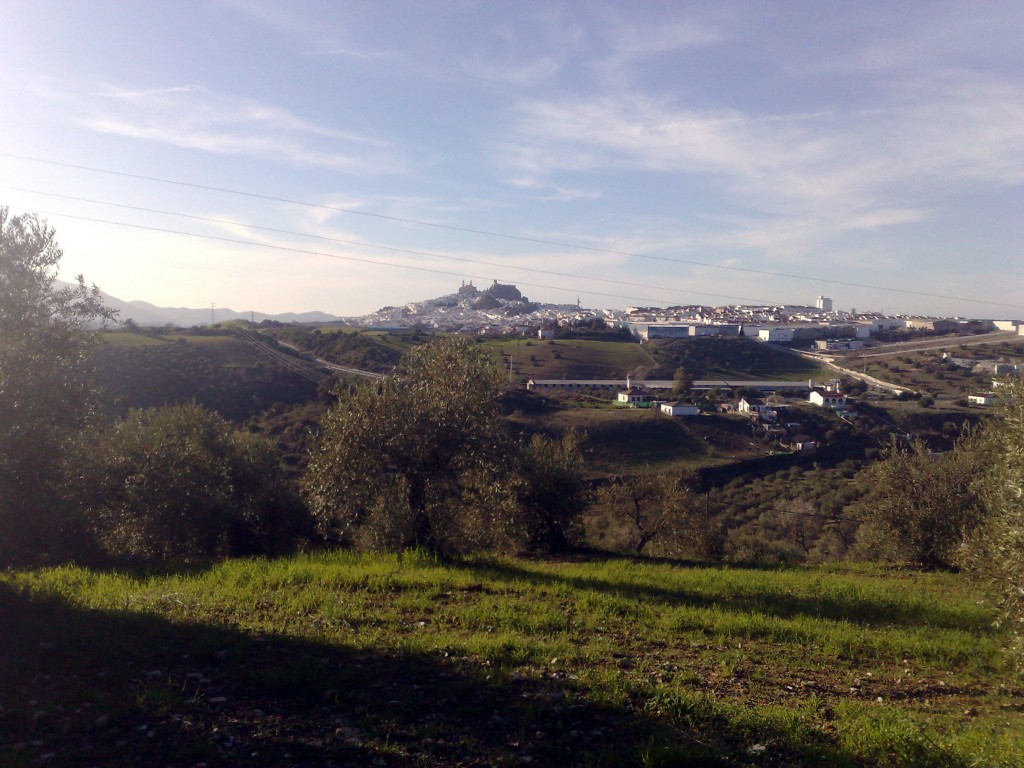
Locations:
{"points": [[824, 304]]}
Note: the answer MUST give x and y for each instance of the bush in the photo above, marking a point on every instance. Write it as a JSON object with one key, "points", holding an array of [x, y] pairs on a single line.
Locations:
{"points": [[925, 504], [417, 456], [996, 554], [553, 491], [179, 485]]}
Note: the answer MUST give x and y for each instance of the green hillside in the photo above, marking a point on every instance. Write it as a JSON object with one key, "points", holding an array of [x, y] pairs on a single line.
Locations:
{"points": [[620, 440], [715, 357], [569, 358], [214, 368], [384, 660], [925, 370]]}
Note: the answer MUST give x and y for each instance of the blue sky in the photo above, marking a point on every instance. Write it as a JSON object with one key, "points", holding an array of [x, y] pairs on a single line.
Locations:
{"points": [[648, 153]]}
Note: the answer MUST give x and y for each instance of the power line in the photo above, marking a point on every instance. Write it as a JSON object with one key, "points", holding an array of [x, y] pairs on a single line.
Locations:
{"points": [[344, 241], [503, 235]]}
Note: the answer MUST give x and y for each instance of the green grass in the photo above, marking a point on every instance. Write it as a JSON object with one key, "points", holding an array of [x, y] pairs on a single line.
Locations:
{"points": [[404, 660], [716, 357], [621, 440], [569, 358], [130, 339]]}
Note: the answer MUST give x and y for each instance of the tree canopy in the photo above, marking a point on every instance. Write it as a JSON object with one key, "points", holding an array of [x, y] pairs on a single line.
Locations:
{"points": [[996, 552], [405, 459], [924, 504], [44, 381], [180, 484]]}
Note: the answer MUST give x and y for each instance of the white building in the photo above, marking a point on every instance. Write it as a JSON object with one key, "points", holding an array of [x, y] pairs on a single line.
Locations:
{"points": [[751, 405], [636, 397], [824, 304], [828, 399], [679, 408], [781, 335], [838, 344]]}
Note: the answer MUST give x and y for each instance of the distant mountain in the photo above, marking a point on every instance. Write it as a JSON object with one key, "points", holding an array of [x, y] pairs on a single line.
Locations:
{"points": [[144, 313], [185, 316]]}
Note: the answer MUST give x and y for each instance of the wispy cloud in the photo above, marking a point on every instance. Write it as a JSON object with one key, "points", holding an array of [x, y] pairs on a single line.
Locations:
{"points": [[828, 164], [635, 40], [197, 118], [520, 73], [554, 192]]}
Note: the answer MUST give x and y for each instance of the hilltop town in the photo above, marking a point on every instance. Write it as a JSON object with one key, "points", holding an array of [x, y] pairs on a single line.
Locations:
{"points": [[502, 309]]}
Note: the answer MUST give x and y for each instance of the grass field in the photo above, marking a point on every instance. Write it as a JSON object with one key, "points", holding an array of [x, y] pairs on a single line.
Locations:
{"points": [[569, 358], [715, 357], [621, 440], [224, 346], [389, 660]]}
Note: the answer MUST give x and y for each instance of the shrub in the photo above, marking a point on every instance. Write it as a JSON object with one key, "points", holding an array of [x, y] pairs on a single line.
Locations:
{"points": [[179, 485], [996, 553], [414, 454], [924, 504], [553, 492]]}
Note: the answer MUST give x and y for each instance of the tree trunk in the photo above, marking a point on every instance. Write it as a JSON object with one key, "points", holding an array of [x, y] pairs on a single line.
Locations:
{"points": [[422, 535]]}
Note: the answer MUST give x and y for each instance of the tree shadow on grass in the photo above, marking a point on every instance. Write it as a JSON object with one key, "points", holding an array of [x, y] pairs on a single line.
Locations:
{"points": [[854, 608], [89, 687]]}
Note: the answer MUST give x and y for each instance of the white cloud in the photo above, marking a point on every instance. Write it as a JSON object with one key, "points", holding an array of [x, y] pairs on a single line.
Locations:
{"points": [[632, 41], [197, 118], [826, 163], [554, 192]]}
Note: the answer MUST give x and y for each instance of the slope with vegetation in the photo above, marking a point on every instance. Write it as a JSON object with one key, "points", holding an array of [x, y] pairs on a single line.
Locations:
{"points": [[720, 357], [927, 371], [212, 367]]}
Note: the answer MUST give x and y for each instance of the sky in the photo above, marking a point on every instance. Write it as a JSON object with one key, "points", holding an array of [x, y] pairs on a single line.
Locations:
{"points": [[288, 157]]}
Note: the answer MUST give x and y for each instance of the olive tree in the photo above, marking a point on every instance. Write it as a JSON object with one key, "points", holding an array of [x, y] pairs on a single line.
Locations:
{"points": [[553, 490], [417, 458], [996, 553], [45, 394], [180, 485], [923, 505], [652, 509]]}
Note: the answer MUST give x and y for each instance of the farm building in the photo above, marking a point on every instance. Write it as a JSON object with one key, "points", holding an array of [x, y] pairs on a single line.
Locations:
{"points": [[825, 398], [679, 408]]}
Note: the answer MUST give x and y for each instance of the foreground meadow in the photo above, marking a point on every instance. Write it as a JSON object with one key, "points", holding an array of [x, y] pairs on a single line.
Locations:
{"points": [[347, 659]]}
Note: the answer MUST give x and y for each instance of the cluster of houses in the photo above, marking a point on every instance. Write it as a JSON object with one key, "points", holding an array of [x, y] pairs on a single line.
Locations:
{"points": [[829, 331], [765, 417], [501, 309], [828, 396], [998, 370]]}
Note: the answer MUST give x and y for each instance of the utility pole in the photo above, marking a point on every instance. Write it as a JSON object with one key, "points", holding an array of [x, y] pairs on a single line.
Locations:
{"points": [[212, 305]]}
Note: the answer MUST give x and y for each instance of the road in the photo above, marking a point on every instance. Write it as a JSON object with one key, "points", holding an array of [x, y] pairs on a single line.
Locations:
{"points": [[929, 345], [301, 362]]}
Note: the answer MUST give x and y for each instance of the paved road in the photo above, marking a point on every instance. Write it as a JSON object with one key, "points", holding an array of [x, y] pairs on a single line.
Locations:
{"points": [[928, 345], [321, 362]]}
